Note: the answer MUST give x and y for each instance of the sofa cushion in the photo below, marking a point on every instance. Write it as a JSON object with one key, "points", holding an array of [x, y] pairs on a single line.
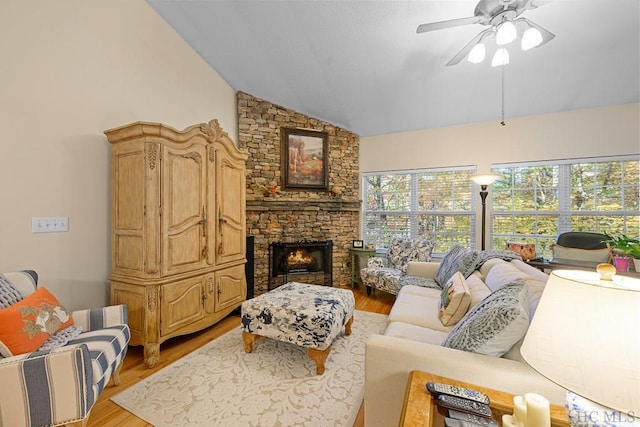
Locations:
{"points": [[457, 259], [384, 279], [107, 347], [454, 300], [418, 306], [27, 324], [415, 333], [477, 288], [502, 274], [422, 282], [495, 324], [419, 291], [9, 294]]}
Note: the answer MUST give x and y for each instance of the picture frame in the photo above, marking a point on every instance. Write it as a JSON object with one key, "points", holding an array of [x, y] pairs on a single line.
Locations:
{"points": [[357, 244], [304, 159]]}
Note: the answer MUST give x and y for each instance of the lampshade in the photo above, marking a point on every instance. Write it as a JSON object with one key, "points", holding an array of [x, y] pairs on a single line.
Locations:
{"points": [[531, 38], [486, 179], [477, 54], [506, 33], [585, 336], [501, 57]]}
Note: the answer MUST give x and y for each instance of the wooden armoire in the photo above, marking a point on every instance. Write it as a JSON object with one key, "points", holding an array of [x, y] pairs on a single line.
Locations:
{"points": [[177, 229]]}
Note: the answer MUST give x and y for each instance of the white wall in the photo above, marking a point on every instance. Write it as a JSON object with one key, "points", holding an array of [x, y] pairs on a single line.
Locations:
{"points": [[68, 71], [606, 131]]}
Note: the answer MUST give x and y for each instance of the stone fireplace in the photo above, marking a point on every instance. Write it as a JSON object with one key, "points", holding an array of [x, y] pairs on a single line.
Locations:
{"points": [[275, 215]]}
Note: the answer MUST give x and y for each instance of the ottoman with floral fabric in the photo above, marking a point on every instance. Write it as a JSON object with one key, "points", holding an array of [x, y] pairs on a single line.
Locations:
{"points": [[310, 316]]}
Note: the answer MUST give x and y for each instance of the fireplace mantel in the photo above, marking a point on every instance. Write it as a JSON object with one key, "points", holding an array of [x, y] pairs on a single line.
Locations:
{"points": [[280, 204]]}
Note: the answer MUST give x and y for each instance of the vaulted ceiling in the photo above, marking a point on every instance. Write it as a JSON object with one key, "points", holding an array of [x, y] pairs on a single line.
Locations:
{"points": [[360, 64]]}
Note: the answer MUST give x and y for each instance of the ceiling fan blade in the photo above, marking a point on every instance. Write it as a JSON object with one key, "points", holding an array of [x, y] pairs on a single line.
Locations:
{"points": [[465, 50], [547, 36], [433, 26]]}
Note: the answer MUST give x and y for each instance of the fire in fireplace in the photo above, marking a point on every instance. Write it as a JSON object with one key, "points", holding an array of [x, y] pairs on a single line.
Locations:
{"points": [[302, 257], [299, 260]]}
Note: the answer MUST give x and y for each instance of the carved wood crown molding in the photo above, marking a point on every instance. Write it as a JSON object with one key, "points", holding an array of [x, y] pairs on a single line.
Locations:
{"points": [[212, 131]]}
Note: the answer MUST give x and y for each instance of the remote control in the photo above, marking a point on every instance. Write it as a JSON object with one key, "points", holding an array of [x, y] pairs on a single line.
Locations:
{"points": [[438, 388], [464, 405], [452, 422], [463, 416]]}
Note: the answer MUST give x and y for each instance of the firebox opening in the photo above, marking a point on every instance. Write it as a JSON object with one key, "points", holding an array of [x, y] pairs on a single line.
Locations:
{"points": [[302, 257]]}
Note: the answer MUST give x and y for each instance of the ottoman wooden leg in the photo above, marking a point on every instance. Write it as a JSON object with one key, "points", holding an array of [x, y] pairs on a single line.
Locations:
{"points": [[248, 339], [347, 326], [319, 356]]}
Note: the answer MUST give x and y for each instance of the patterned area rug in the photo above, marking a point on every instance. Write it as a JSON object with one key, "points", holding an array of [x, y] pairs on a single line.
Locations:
{"points": [[221, 385]]}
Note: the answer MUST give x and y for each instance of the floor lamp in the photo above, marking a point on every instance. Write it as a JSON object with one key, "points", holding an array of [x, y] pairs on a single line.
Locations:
{"points": [[484, 181]]}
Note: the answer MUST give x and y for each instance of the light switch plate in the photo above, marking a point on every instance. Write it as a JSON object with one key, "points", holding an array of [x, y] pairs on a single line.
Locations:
{"points": [[49, 224]]}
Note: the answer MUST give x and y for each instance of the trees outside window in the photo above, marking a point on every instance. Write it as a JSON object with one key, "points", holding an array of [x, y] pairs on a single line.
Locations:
{"points": [[537, 202], [436, 204]]}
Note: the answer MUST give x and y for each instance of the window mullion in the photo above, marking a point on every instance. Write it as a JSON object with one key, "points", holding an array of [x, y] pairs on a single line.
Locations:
{"points": [[564, 198], [414, 206]]}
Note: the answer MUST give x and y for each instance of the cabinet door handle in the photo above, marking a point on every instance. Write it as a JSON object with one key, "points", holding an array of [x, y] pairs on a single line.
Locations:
{"points": [[219, 291], [203, 222], [204, 299]]}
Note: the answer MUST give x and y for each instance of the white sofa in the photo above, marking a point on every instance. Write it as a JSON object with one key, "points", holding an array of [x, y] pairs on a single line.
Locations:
{"points": [[415, 333]]}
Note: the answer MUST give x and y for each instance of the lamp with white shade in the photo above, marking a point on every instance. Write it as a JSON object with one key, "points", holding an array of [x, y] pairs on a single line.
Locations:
{"points": [[585, 337]]}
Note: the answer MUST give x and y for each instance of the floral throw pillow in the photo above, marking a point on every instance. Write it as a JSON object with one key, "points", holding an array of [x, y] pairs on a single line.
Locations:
{"points": [[27, 324]]}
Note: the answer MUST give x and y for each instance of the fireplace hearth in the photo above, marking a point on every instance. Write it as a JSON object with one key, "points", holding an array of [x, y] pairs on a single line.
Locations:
{"points": [[300, 258]]}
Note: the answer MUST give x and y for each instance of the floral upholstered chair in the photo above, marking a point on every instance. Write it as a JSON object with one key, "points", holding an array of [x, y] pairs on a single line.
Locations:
{"points": [[390, 274]]}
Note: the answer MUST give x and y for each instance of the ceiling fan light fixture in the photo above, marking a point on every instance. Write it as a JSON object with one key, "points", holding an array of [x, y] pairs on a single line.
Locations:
{"points": [[506, 33], [531, 38], [477, 54], [501, 57]]}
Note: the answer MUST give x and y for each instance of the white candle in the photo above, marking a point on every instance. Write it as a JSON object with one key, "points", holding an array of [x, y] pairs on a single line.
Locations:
{"points": [[538, 411], [510, 421], [520, 410]]}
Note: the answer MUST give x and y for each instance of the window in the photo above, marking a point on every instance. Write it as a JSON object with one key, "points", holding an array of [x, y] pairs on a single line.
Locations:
{"points": [[436, 204], [535, 202]]}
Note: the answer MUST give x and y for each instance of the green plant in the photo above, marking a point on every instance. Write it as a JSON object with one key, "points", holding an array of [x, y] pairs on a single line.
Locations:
{"points": [[633, 250], [624, 245]]}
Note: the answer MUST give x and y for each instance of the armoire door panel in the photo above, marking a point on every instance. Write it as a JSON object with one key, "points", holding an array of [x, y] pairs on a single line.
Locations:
{"points": [[183, 208], [230, 183], [231, 287], [184, 249], [129, 251], [128, 191], [182, 303]]}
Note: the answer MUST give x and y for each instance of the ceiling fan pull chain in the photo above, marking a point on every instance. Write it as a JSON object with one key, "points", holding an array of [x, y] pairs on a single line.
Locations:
{"points": [[502, 122]]}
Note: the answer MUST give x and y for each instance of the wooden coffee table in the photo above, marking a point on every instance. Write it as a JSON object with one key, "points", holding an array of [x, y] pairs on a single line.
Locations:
{"points": [[420, 410]]}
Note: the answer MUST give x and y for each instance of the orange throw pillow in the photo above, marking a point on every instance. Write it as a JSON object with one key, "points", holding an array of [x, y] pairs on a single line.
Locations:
{"points": [[27, 324]]}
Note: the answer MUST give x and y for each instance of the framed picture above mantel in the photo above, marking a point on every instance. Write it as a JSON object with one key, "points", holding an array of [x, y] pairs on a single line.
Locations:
{"points": [[304, 160]]}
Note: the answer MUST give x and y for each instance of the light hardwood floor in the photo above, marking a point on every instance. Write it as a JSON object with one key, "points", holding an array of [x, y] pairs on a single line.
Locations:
{"points": [[107, 413]]}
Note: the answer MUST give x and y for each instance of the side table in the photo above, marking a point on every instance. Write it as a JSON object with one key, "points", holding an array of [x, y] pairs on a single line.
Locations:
{"points": [[420, 410], [359, 257]]}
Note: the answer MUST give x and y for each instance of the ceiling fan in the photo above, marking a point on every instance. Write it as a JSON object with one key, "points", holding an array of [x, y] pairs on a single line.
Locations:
{"points": [[503, 17]]}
